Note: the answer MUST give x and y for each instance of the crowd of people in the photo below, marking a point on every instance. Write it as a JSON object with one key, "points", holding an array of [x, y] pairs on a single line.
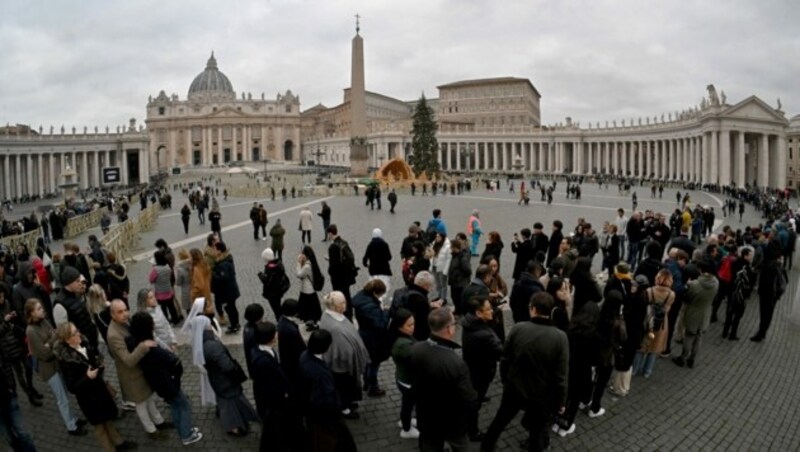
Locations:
{"points": [[576, 334]]}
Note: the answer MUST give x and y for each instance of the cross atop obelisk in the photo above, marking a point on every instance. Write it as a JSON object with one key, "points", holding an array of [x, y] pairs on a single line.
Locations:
{"points": [[358, 23]]}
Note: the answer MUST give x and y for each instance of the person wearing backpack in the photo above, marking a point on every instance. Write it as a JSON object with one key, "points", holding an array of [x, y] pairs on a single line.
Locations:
{"points": [[742, 289], [311, 281], [659, 302], [162, 370], [771, 287], [341, 267], [274, 281], [725, 275]]}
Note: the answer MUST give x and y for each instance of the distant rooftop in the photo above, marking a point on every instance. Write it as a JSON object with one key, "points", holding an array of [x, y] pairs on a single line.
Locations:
{"points": [[489, 81]]}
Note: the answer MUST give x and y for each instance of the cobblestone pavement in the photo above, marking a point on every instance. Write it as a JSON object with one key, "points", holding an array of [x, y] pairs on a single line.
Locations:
{"points": [[739, 396]]}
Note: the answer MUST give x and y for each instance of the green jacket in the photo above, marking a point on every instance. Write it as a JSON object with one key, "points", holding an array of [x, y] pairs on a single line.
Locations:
{"points": [[699, 296], [401, 355]]}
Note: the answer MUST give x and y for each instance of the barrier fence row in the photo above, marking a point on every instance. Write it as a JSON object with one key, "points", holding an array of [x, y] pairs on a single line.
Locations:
{"points": [[123, 237]]}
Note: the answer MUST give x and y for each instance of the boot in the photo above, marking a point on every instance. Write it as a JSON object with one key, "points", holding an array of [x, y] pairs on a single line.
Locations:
{"points": [[34, 401]]}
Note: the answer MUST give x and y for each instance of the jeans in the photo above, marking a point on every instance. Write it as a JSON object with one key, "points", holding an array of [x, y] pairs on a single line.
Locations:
{"points": [[181, 415], [622, 241], [633, 253], [441, 284], [11, 426], [643, 363], [406, 405], [371, 375], [56, 384]]}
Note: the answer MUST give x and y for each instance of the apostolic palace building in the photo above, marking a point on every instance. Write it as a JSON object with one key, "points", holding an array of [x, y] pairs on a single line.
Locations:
{"points": [[485, 125]]}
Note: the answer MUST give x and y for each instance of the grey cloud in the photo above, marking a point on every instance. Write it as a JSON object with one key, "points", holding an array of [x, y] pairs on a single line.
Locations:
{"points": [[96, 63]]}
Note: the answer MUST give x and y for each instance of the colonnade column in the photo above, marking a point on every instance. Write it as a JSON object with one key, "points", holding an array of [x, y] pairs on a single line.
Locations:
{"points": [[7, 177], [714, 163], [51, 164], [29, 174], [40, 173]]}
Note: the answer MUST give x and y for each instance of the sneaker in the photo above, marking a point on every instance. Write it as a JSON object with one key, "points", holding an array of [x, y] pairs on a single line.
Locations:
{"points": [[413, 423], [412, 433], [562, 433], [598, 413], [195, 437], [583, 406], [128, 406]]}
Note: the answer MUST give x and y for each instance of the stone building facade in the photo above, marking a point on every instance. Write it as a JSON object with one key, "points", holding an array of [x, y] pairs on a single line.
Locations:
{"points": [[488, 103], [793, 148], [212, 127], [31, 162]]}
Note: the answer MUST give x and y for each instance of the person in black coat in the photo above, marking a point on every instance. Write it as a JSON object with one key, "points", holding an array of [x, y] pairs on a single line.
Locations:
{"points": [[271, 392], [321, 403], [539, 239], [253, 314], [479, 286], [651, 265], [81, 365], [482, 350], [10, 415], [417, 302], [226, 377], [534, 372], [224, 286], [163, 371], [372, 323], [291, 344], [442, 386], [524, 251], [555, 242], [185, 214], [377, 255], [524, 288]]}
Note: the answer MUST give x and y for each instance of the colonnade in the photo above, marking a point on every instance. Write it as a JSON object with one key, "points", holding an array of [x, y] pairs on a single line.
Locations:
{"points": [[722, 157], [33, 172]]}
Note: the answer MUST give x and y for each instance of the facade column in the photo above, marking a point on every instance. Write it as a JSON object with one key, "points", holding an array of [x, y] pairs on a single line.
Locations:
{"points": [[640, 157], [780, 163], [714, 161], [495, 155], [7, 177], [648, 159], [607, 157], [763, 161], [624, 153], [615, 157], [740, 161], [84, 170], [706, 171], [725, 157]]}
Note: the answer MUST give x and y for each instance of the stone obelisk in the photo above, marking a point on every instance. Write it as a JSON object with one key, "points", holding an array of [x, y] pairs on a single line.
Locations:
{"points": [[358, 109]]}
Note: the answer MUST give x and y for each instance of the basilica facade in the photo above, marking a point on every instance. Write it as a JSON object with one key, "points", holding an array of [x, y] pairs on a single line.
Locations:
{"points": [[213, 127]]}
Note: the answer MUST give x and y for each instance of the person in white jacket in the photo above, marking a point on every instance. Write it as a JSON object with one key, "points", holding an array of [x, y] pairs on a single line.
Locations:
{"points": [[440, 264]]}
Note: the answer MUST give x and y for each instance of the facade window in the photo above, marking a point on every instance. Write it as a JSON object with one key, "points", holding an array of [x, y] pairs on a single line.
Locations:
{"points": [[161, 111], [288, 109]]}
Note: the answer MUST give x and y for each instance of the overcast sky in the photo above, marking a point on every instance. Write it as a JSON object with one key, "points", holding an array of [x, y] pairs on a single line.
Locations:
{"points": [[96, 62]]}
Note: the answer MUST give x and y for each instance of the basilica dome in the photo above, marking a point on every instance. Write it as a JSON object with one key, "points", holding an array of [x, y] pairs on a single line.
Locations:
{"points": [[211, 84]]}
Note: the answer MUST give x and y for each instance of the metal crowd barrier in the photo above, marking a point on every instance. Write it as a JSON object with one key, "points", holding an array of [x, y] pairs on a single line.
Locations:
{"points": [[123, 237], [80, 223], [28, 238]]}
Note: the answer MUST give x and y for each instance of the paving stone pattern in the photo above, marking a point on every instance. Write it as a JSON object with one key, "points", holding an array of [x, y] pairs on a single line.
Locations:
{"points": [[739, 396]]}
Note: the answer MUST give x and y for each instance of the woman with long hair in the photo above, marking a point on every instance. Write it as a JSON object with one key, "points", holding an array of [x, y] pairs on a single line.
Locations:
{"points": [[401, 336], [41, 337], [440, 264], [183, 279], [659, 301], [308, 272], [561, 291], [201, 279], [99, 307], [494, 246], [82, 367], [146, 302]]}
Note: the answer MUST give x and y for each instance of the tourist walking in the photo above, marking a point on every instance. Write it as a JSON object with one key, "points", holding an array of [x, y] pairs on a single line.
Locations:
{"points": [[700, 294], [311, 279], [215, 217], [186, 213], [376, 259], [372, 323], [474, 231], [401, 333], [276, 233], [306, 224], [341, 266], [225, 286], [325, 215], [274, 281]]}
